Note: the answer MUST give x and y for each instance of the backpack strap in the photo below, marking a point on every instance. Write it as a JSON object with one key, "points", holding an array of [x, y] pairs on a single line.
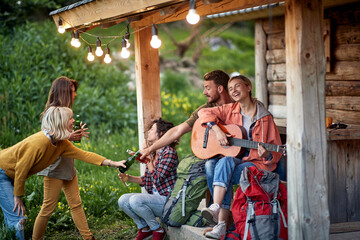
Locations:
{"points": [[250, 219], [183, 191], [274, 217], [282, 215]]}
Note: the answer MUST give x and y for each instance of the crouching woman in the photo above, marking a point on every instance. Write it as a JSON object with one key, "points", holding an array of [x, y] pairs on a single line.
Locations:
{"points": [[159, 179], [33, 154]]}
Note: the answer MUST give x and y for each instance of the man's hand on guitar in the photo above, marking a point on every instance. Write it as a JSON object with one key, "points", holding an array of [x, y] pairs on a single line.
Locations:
{"points": [[220, 135], [262, 151]]}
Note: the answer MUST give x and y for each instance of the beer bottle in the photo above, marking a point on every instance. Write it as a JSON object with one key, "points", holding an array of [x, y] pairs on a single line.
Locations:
{"points": [[77, 127], [138, 158], [129, 162]]}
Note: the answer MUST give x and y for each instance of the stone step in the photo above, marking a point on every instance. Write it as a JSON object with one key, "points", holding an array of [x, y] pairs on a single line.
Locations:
{"points": [[186, 232]]}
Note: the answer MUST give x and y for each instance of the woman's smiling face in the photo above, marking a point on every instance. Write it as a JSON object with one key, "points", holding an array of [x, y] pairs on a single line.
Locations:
{"points": [[238, 90]]}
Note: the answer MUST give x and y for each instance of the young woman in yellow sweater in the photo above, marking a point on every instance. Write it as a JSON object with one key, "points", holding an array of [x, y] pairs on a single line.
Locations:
{"points": [[62, 173], [34, 154]]}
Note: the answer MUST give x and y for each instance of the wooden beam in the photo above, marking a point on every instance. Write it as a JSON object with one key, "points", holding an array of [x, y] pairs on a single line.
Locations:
{"points": [[147, 80], [308, 212], [98, 12], [201, 8], [260, 63]]}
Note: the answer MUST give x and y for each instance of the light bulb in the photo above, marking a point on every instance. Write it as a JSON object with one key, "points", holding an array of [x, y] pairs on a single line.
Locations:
{"points": [[61, 28], [72, 39], [99, 52], [107, 58], [90, 55], [155, 41], [76, 43], [125, 53], [192, 17]]}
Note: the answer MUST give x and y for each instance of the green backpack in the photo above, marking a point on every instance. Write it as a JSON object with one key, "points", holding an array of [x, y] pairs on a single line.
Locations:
{"points": [[190, 187]]}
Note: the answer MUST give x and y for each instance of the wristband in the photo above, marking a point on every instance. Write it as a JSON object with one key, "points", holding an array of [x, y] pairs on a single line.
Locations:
{"points": [[210, 124]]}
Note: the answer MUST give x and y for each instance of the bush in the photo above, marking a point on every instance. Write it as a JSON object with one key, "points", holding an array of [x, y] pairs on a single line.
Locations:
{"points": [[32, 56]]}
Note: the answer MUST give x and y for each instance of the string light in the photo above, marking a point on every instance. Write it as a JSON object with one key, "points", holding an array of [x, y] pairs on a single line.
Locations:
{"points": [[61, 28], [124, 51], [107, 58], [76, 42], [90, 55], [155, 41], [192, 17], [127, 37], [99, 52]]}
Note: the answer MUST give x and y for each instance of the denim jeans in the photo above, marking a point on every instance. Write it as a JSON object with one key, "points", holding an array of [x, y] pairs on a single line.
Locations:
{"points": [[12, 220], [224, 172], [143, 208]]}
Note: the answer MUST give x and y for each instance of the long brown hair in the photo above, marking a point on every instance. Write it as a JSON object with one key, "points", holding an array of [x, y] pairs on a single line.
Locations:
{"points": [[162, 127], [60, 94]]}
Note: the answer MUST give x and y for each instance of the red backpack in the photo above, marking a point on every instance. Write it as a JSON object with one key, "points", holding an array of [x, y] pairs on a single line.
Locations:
{"points": [[260, 207]]}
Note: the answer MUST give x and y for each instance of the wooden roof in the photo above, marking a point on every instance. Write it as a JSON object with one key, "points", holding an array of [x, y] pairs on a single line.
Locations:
{"points": [[88, 14]]}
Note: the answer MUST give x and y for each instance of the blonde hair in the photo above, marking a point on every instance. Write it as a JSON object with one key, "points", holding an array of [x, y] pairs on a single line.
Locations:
{"points": [[55, 122]]}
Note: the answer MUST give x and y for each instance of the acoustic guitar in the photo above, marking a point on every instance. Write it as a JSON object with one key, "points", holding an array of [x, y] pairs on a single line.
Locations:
{"points": [[204, 143]]}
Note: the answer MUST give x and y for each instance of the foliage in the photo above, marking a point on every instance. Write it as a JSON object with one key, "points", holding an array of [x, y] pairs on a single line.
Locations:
{"points": [[34, 55], [5, 233], [240, 58]]}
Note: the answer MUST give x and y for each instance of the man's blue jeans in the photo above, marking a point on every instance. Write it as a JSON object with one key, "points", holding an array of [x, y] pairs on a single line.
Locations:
{"points": [[143, 208], [224, 172], [12, 220]]}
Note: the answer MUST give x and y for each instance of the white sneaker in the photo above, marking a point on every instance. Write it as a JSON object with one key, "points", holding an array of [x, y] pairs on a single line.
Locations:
{"points": [[218, 231], [211, 213]]}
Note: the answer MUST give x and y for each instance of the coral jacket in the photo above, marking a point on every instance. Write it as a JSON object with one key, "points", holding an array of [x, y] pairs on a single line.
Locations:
{"points": [[263, 129]]}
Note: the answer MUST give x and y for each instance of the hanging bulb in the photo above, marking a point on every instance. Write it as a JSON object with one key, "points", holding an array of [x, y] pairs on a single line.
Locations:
{"points": [[77, 42], [72, 39], [90, 55], [127, 37], [155, 41], [99, 52], [124, 51], [61, 28], [107, 58], [192, 17]]}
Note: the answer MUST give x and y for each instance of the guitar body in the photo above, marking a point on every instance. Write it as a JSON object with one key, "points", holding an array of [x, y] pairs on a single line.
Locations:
{"points": [[213, 146]]}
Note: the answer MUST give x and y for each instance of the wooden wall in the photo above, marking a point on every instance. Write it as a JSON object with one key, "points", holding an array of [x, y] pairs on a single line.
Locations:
{"points": [[343, 80], [344, 180], [342, 88]]}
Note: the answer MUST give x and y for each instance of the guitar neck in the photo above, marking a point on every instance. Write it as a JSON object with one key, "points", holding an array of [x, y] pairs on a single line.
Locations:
{"points": [[251, 144]]}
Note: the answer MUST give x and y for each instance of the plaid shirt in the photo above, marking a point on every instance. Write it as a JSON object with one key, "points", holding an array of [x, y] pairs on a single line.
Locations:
{"points": [[164, 175]]}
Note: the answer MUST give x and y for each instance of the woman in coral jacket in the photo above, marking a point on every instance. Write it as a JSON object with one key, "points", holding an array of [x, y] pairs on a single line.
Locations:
{"points": [[224, 172], [33, 154]]}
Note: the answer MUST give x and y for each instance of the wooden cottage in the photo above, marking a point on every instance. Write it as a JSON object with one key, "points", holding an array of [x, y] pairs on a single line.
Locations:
{"points": [[307, 68]]}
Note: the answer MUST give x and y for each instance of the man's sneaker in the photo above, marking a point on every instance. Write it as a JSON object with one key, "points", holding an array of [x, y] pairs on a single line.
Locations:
{"points": [[218, 231], [211, 213], [143, 235], [159, 235]]}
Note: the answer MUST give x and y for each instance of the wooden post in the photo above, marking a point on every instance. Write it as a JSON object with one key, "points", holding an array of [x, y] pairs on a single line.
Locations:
{"points": [[260, 63], [147, 81], [308, 212]]}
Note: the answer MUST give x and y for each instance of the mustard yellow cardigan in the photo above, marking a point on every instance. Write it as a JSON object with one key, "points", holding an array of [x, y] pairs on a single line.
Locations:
{"points": [[34, 154]]}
